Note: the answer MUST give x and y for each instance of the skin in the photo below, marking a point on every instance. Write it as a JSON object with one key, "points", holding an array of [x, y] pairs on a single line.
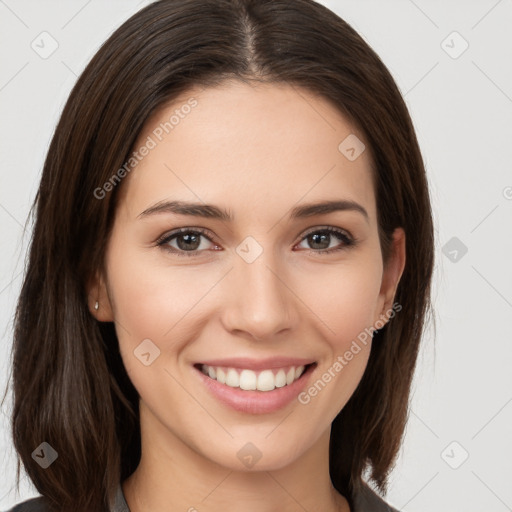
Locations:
{"points": [[257, 151]]}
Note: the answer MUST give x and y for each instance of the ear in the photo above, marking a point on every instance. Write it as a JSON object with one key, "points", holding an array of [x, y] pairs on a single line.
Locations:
{"points": [[392, 273], [97, 293]]}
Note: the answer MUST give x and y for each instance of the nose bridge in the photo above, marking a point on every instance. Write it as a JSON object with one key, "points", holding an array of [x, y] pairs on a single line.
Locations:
{"points": [[261, 303]]}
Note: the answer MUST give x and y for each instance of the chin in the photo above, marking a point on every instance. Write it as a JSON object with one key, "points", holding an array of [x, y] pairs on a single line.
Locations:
{"points": [[255, 454]]}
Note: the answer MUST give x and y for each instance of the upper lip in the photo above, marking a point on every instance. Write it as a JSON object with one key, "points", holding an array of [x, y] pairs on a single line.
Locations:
{"points": [[257, 364]]}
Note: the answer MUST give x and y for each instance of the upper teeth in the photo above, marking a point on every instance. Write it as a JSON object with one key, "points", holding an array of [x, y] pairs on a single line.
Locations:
{"points": [[248, 380]]}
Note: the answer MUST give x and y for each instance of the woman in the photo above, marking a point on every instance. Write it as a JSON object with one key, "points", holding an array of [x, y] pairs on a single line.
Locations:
{"points": [[229, 273]]}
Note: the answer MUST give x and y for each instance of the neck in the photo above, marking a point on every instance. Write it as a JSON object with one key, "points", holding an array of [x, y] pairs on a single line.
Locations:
{"points": [[172, 476]]}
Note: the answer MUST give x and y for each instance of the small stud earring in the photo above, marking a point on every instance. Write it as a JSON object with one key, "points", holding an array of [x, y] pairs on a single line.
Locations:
{"points": [[96, 305]]}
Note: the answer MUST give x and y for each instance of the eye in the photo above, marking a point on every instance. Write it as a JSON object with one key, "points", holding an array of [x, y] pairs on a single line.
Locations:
{"points": [[321, 239], [188, 241]]}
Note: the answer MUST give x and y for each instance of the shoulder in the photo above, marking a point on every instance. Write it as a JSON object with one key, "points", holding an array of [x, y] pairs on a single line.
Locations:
{"points": [[39, 504], [367, 500], [31, 505]]}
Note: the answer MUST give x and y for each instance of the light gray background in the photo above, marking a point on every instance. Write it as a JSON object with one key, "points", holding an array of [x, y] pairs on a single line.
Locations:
{"points": [[462, 111]]}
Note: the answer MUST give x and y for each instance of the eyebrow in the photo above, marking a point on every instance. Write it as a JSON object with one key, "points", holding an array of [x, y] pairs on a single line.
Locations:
{"points": [[214, 212]]}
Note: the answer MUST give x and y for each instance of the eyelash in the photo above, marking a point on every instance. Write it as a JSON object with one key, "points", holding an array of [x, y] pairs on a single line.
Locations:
{"points": [[349, 241]]}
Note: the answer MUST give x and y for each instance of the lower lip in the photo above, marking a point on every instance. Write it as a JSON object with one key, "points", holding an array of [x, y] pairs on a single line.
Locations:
{"points": [[256, 402]]}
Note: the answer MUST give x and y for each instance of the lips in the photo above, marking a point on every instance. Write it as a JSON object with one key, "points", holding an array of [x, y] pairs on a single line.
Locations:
{"points": [[255, 386]]}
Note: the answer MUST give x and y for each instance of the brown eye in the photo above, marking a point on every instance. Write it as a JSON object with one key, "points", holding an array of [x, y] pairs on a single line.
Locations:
{"points": [[319, 241], [188, 242]]}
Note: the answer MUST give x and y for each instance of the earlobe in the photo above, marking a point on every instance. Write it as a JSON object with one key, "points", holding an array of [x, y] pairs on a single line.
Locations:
{"points": [[99, 300]]}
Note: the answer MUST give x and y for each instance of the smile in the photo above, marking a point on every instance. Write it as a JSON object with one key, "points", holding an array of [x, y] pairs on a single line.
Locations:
{"points": [[254, 391], [249, 380]]}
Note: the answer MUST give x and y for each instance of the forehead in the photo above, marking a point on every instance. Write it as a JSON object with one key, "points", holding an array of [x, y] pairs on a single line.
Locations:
{"points": [[249, 146]]}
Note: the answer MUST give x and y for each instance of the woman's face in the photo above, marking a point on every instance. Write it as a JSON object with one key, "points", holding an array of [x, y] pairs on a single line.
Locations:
{"points": [[255, 297]]}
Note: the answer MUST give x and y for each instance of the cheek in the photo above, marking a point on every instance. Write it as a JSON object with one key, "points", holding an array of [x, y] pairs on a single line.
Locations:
{"points": [[153, 309], [345, 301], [150, 300], [345, 297], [346, 307]]}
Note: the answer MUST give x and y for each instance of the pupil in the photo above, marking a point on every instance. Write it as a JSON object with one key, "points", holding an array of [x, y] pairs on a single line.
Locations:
{"points": [[188, 238], [315, 238]]}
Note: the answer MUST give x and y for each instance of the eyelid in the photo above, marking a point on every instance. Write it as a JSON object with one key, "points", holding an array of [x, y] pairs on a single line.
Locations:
{"points": [[210, 235], [166, 237], [327, 228], [187, 229]]}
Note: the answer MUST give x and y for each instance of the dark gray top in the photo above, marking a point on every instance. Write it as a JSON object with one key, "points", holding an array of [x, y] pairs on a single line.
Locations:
{"points": [[366, 501]]}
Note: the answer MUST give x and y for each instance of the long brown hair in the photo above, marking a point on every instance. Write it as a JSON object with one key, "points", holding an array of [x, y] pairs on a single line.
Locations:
{"points": [[70, 387]]}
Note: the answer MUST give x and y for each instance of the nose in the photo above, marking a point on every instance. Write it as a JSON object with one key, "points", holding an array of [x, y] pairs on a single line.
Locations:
{"points": [[261, 303]]}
